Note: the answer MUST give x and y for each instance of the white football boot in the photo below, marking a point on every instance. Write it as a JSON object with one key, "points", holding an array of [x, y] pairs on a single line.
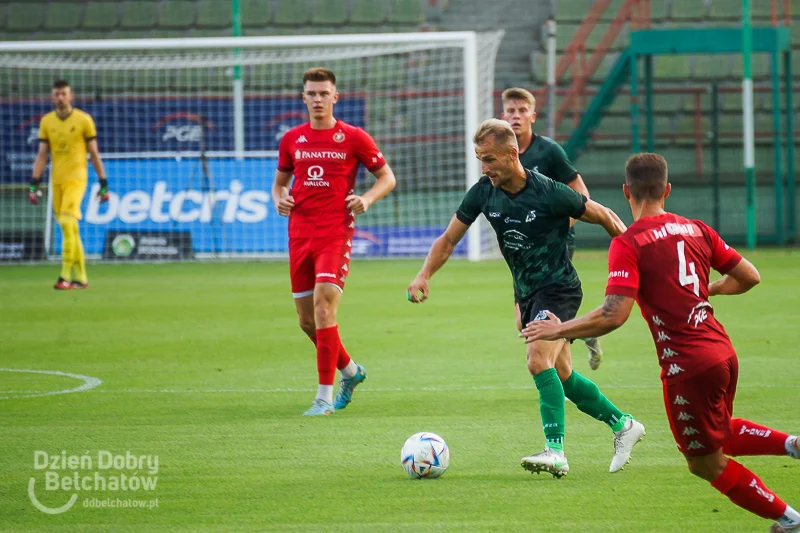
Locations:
{"points": [[624, 441], [546, 461]]}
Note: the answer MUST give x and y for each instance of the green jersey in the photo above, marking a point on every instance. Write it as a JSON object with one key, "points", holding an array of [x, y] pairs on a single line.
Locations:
{"points": [[531, 228], [546, 156]]}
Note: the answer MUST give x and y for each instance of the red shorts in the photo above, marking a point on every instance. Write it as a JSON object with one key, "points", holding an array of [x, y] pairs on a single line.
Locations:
{"points": [[699, 408], [318, 260]]}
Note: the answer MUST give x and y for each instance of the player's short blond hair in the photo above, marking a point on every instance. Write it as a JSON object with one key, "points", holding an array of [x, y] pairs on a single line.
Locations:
{"points": [[518, 93], [646, 176], [498, 130], [319, 74]]}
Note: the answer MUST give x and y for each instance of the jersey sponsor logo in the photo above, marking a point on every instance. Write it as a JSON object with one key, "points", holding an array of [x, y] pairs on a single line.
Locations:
{"points": [[186, 205], [699, 314], [663, 337], [657, 321], [618, 274], [338, 137], [315, 174], [668, 353], [674, 370], [689, 430], [509, 220], [515, 240], [541, 315], [531, 216], [680, 400], [302, 139], [755, 432], [696, 445], [319, 154], [684, 416], [494, 214]]}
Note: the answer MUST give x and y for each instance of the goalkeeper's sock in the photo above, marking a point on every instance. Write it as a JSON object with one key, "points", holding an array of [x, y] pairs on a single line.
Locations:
{"points": [[588, 399], [746, 490], [67, 247], [79, 258], [551, 407], [327, 353], [749, 438]]}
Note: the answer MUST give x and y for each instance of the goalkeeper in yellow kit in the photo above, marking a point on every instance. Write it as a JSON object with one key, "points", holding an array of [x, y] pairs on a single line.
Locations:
{"points": [[68, 134]]}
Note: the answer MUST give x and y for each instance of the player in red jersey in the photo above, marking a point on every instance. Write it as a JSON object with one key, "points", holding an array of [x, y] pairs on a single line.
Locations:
{"points": [[323, 157], [662, 261]]}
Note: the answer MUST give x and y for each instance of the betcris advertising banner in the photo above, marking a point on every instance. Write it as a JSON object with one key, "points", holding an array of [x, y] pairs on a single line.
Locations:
{"points": [[160, 124], [231, 212]]}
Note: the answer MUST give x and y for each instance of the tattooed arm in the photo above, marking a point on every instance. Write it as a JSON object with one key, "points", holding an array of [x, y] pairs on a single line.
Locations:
{"points": [[612, 314]]}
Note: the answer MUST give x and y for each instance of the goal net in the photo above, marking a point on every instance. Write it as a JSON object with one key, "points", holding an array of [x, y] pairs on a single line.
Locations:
{"points": [[188, 130]]}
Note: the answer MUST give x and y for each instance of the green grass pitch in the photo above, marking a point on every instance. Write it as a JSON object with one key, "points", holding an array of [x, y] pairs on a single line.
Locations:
{"points": [[204, 366]]}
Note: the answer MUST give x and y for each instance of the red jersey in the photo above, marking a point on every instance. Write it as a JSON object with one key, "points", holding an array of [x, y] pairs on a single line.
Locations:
{"points": [[324, 164], [663, 262]]}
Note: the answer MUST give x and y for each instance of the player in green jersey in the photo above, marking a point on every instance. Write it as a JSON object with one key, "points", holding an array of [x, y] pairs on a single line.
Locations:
{"points": [[530, 213], [545, 156]]}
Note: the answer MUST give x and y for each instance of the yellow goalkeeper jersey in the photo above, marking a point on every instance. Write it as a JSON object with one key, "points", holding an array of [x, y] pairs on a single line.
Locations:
{"points": [[67, 139]]}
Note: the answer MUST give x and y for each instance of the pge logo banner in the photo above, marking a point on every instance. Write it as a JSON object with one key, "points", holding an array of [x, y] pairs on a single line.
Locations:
{"points": [[150, 124], [230, 213]]}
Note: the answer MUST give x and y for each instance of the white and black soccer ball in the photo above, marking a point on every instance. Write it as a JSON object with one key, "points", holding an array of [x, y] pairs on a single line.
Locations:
{"points": [[425, 455]]}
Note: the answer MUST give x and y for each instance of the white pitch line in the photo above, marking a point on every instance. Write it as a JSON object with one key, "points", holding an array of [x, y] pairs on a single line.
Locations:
{"points": [[88, 383], [32, 393]]}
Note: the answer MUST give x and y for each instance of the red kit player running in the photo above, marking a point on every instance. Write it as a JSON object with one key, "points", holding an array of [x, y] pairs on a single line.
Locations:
{"points": [[662, 261], [323, 157]]}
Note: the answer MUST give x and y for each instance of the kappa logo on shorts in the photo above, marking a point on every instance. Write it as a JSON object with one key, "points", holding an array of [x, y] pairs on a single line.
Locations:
{"points": [[685, 417], [696, 445], [680, 400], [689, 430], [667, 353], [541, 315], [674, 370]]}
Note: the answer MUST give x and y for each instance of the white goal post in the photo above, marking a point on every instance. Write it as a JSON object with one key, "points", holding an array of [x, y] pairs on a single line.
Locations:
{"points": [[191, 153]]}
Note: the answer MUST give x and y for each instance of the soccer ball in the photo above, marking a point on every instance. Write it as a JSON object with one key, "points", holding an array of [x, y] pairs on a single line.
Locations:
{"points": [[425, 455]]}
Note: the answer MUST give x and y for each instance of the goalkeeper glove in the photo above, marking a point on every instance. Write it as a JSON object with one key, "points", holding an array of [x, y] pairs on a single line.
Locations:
{"points": [[102, 194], [34, 192]]}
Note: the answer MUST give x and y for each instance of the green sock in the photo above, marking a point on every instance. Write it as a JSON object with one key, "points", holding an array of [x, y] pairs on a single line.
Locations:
{"points": [[551, 407], [588, 398]]}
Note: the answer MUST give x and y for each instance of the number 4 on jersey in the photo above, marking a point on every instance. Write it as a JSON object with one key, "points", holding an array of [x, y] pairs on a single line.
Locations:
{"points": [[683, 276]]}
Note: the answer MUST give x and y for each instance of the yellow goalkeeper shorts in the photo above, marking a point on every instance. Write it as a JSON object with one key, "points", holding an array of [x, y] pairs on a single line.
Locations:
{"points": [[67, 198]]}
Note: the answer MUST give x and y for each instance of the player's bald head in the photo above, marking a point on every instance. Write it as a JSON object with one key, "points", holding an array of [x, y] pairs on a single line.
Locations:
{"points": [[646, 176], [498, 132]]}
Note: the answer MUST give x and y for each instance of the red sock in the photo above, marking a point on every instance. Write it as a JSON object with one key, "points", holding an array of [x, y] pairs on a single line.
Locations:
{"points": [[748, 492], [344, 357], [328, 344], [749, 438]]}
